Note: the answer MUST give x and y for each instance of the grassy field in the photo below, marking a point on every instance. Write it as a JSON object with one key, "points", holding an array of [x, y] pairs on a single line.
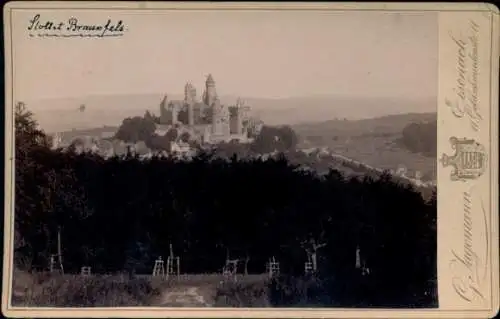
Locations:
{"points": [[200, 290], [383, 153]]}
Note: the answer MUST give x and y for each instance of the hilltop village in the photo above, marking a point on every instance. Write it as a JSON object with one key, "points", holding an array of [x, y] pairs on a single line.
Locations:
{"points": [[203, 122]]}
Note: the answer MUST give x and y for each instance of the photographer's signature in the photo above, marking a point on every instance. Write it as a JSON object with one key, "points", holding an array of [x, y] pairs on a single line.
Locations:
{"points": [[39, 27], [470, 267]]}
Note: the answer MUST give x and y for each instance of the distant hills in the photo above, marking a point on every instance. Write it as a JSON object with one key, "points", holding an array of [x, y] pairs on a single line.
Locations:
{"points": [[389, 125], [371, 141], [64, 114]]}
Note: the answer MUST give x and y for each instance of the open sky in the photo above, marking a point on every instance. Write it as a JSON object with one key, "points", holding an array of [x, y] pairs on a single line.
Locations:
{"points": [[265, 54]]}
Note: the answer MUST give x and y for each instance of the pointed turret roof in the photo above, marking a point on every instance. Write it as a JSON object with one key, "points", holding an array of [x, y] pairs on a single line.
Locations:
{"points": [[165, 99], [210, 79]]}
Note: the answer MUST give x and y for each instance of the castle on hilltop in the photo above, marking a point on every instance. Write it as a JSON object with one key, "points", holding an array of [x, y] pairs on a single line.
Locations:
{"points": [[207, 121], [204, 121]]}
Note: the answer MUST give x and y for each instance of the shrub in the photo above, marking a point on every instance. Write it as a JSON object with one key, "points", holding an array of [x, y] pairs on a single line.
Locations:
{"points": [[44, 290], [243, 295]]}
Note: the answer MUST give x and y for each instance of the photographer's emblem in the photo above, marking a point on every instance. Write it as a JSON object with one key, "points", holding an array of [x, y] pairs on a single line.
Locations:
{"points": [[469, 161]]}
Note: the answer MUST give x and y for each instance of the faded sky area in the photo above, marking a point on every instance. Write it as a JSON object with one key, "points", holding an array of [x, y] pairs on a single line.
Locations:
{"points": [[268, 54]]}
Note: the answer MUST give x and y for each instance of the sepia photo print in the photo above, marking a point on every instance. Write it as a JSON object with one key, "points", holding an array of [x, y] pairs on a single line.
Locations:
{"points": [[228, 158]]}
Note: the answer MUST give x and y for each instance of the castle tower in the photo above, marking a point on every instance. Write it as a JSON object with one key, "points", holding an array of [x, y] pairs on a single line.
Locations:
{"points": [[239, 116], [190, 100], [210, 92], [164, 118], [226, 124], [174, 112], [216, 117], [189, 93]]}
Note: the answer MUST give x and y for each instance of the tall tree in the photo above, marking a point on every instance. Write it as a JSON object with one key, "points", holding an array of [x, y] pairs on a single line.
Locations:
{"points": [[28, 138], [136, 129]]}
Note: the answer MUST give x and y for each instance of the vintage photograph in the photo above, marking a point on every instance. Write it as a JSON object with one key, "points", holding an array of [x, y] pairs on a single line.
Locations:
{"points": [[225, 158]]}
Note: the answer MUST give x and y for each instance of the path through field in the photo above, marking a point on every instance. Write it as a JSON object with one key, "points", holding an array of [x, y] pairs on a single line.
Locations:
{"points": [[202, 290], [186, 297]]}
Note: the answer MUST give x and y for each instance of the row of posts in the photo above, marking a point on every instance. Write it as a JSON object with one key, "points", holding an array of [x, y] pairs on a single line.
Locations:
{"points": [[229, 270], [173, 267]]}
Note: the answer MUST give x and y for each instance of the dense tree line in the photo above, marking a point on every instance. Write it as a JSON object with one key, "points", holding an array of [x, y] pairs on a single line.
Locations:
{"points": [[421, 138], [122, 213]]}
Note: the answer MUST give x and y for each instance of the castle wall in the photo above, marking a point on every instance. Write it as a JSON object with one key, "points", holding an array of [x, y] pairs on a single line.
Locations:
{"points": [[174, 114], [236, 120], [165, 116], [233, 122], [239, 123], [190, 112], [197, 115]]}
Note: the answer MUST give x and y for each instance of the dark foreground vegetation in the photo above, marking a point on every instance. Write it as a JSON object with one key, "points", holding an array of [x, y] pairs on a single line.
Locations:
{"points": [[122, 213]]}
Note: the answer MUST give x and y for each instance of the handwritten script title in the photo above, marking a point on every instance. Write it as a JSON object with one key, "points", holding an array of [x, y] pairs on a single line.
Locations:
{"points": [[465, 102], [74, 28]]}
